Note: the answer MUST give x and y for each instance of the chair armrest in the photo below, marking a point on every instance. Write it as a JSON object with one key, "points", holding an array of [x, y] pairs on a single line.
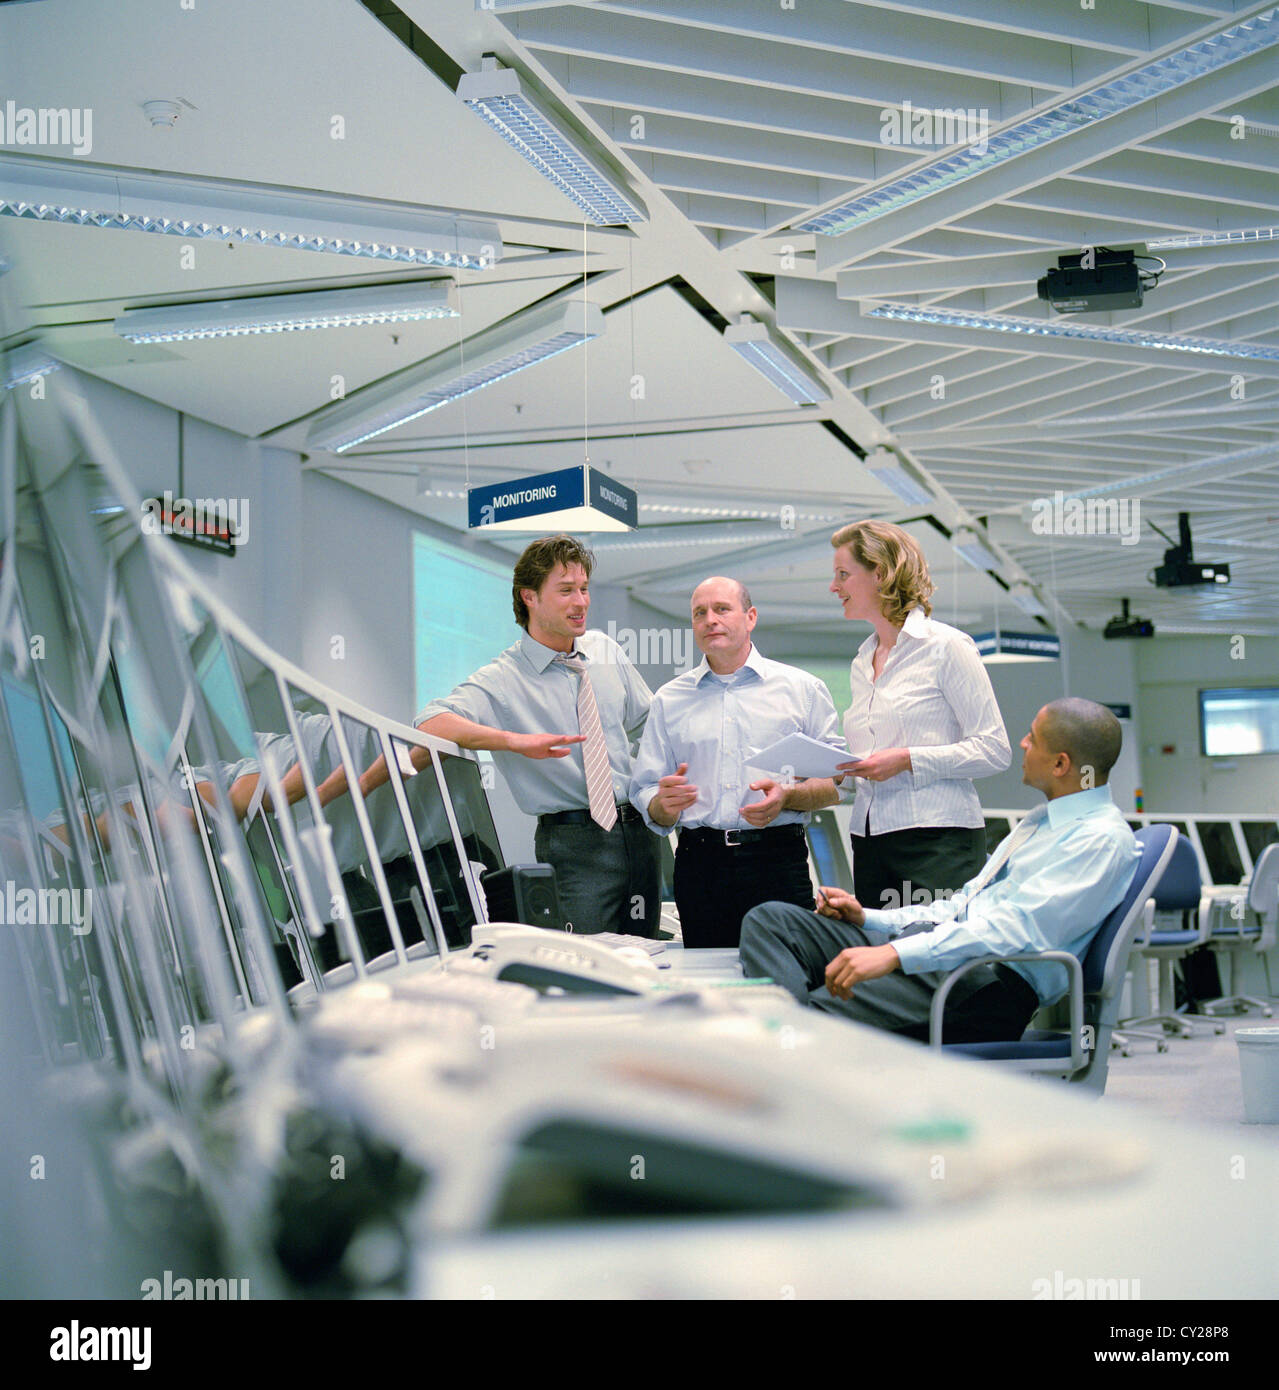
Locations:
{"points": [[1145, 926], [1073, 969], [1204, 920]]}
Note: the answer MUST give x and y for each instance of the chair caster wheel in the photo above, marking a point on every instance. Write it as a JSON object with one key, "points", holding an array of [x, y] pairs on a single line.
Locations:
{"points": [[1123, 1052], [1267, 1013], [1219, 1029], [1163, 1047]]}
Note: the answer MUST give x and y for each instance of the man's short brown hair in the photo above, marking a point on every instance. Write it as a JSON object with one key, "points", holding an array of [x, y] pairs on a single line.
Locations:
{"points": [[539, 558]]}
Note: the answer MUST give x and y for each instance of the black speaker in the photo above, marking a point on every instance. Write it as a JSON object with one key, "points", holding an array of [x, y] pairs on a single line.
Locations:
{"points": [[524, 893]]}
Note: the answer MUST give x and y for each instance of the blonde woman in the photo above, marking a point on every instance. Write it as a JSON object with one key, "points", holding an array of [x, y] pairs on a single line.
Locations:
{"points": [[923, 723]]}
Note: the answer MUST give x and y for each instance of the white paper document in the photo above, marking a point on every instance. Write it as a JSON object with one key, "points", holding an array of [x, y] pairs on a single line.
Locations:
{"points": [[797, 755]]}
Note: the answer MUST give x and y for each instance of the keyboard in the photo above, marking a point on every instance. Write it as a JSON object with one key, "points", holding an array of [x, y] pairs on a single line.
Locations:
{"points": [[462, 985], [647, 944]]}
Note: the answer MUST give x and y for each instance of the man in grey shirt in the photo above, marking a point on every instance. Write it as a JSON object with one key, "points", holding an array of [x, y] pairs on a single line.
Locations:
{"points": [[559, 676]]}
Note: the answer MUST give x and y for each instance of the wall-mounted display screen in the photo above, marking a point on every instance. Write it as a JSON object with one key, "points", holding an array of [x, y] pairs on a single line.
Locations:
{"points": [[1236, 722]]}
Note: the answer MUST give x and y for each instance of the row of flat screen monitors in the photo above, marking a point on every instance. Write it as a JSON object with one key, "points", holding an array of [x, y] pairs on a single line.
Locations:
{"points": [[1227, 847]]}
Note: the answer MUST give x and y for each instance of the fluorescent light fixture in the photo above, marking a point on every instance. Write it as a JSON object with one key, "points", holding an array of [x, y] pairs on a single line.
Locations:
{"points": [[891, 472], [25, 364], [640, 542], [1065, 328], [220, 210], [971, 547], [488, 357], [1027, 600], [737, 513], [752, 341], [287, 313], [1189, 240], [998, 647], [494, 93], [1070, 114]]}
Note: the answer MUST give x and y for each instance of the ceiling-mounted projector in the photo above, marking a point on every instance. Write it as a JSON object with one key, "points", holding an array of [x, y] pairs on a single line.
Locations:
{"points": [[1125, 625], [1180, 569], [1095, 281]]}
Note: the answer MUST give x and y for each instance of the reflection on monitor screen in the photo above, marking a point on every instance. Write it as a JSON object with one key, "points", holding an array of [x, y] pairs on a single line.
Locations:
{"points": [[1225, 865], [827, 845], [445, 857], [1258, 834]]}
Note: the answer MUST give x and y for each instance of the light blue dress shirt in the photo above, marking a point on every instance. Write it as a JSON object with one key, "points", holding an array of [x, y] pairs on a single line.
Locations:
{"points": [[1052, 894], [526, 691], [715, 723]]}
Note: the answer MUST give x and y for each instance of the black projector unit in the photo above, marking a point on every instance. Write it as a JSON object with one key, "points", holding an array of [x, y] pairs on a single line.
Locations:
{"points": [[1111, 281], [1177, 572], [1180, 569], [1129, 627], [1125, 625]]}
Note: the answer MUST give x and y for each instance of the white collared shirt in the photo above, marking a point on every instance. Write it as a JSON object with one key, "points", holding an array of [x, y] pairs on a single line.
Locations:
{"points": [[715, 724], [934, 698]]}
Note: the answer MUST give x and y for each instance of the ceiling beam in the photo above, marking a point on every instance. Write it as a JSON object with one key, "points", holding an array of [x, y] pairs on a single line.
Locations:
{"points": [[662, 47], [832, 26], [1059, 157]]}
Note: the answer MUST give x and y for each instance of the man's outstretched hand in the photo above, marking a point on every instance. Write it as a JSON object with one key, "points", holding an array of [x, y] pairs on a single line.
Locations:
{"points": [[545, 745], [857, 963]]}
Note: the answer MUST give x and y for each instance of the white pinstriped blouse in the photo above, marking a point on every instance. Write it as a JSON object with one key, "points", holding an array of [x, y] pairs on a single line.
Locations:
{"points": [[935, 698]]}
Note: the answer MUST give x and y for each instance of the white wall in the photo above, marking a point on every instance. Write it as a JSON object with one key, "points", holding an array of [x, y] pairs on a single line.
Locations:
{"points": [[1170, 673]]}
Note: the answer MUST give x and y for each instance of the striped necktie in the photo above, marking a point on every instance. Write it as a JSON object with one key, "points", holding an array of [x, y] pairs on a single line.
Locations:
{"points": [[599, 775], [1026, 827]]}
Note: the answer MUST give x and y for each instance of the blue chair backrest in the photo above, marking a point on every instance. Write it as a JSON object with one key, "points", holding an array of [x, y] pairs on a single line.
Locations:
{"points": [[1108, 950], [1179, 885]]}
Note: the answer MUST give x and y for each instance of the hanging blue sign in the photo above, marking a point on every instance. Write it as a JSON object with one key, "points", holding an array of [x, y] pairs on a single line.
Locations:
{"points": [[570, 499]]}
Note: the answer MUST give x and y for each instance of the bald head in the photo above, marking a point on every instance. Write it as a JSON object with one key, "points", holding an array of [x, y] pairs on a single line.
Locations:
{"points": [[1088, 733], [743, 594], [723, 620]]}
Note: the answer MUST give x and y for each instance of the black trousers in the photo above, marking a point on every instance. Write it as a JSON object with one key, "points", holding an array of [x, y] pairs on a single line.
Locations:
{"points": [[992, 1003], [607, 880], [903, 868], [716, 885]]}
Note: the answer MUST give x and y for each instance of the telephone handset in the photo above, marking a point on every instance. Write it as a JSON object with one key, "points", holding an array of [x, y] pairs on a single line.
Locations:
{"points": [[546, 959]]}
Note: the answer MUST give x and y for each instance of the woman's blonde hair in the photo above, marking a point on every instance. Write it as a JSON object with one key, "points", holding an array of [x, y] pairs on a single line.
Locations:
{"points": [[898, 562]]}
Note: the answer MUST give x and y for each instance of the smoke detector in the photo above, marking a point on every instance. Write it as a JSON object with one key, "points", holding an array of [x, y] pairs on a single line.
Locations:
{"points": [[162, 113]]}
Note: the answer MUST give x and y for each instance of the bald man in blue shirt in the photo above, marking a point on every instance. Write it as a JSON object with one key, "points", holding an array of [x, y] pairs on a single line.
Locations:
{"points": [[1049, 885]]}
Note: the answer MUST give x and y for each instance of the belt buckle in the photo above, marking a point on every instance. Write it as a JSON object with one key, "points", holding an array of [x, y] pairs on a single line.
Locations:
{"points": [[730, 838]]}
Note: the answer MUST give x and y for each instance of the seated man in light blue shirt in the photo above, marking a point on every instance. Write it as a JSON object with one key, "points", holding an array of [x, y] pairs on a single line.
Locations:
{"points": [[1049, 885], [741, 841]]}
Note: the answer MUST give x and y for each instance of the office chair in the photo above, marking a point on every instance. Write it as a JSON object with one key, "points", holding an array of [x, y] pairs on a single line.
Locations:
{"points": [[1179, 901], [1082, 1054], [1263, 900]]}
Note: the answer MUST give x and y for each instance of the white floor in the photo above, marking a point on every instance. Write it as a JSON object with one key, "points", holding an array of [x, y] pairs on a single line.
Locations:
{"points": [[1196, 1079]]}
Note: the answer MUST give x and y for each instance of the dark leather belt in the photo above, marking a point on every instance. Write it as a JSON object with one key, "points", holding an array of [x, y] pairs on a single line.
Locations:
{"points": [[625, 811], [730, 839]]}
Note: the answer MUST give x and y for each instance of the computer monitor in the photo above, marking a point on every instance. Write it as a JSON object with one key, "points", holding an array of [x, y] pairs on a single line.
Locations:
{"points": [[666, 852], [997, 828], [827, 845], [1258, 834], [448, 862], [1221, 853]]}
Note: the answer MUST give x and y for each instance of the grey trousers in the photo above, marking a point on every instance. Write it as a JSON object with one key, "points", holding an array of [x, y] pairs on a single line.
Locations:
{"points": [[793, 946], [606, 880]]}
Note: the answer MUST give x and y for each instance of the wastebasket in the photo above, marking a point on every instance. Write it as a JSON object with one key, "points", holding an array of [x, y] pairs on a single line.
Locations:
{"points": [[1259, 1068]]}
